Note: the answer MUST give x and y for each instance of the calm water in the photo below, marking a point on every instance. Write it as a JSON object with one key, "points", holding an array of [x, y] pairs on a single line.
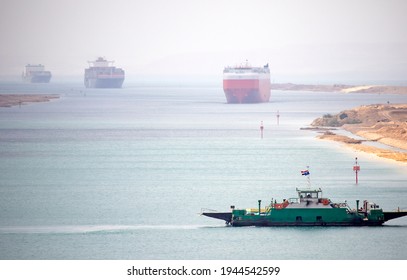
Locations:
{"points": [[124, 173]]}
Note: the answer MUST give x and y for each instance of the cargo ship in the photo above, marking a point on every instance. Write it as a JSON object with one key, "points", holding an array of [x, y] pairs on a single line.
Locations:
{"points": [[246, 84], [102, 74], [309, 208], [35, 73]]}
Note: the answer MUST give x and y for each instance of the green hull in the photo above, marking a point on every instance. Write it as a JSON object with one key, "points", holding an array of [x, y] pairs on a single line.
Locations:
{"points": [[307, 217]]}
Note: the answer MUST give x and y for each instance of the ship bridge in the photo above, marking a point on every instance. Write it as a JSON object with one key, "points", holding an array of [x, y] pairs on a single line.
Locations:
{"points": [[307, 193], [310, 198], [101, 62]]}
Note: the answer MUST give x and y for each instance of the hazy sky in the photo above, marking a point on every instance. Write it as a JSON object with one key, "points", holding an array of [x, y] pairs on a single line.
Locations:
{"points": [[319, 39]]}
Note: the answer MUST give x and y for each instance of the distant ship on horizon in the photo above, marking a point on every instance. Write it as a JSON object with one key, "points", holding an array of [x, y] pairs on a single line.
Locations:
{"points": [[102, 74], [35, 73], [246, 84]]}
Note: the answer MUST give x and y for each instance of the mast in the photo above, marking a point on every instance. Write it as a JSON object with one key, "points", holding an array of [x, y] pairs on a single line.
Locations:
{"points": [[307, 174]]}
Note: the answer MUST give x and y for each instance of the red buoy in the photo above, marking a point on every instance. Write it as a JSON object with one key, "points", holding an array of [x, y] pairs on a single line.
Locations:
{"points": [[356, 168]]}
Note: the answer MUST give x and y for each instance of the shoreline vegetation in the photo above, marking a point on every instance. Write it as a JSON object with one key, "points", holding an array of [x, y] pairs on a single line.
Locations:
{"points": [[9, 100], [386, 124]]}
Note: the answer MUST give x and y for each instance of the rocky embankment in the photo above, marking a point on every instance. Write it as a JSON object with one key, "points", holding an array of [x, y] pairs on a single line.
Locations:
{"points": [[386, 124]]}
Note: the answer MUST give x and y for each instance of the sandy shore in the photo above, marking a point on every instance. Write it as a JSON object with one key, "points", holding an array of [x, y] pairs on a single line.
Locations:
{"points": [[378, 89], [386, 124], [9, 100], [357, 145]]}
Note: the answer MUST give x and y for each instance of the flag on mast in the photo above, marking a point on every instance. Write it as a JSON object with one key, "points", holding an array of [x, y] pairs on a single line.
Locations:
{"points": [[307, 173]]}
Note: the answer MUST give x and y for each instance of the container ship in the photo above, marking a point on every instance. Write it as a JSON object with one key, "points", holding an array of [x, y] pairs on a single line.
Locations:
{"points": [[35, 73], [310, 208], [246, 84], [102, 74]]}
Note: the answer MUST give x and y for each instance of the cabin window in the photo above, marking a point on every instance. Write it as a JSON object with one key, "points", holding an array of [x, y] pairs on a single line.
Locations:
{"points": [[298, 219], [319, 218]]}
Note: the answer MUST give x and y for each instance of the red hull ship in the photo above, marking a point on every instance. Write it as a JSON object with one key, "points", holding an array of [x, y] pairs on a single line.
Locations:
{"points": [[246, 84]]}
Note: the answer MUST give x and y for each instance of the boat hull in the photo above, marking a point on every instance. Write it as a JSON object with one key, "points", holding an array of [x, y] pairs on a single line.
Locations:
{"points": [[268, 223], [305, 217], [104, 82], [246, 90], [40, 78]]}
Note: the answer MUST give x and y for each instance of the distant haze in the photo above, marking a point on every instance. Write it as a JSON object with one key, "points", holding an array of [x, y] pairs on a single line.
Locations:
{"points": [[340, 40]]}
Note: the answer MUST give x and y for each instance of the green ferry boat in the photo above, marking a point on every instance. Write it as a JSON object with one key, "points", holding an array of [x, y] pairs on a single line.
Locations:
{"points": [[310, 208]]}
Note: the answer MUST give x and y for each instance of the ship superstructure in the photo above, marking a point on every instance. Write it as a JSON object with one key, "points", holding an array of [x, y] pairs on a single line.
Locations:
{"points": [[35, 73], [102, 74], [246, 84]]}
